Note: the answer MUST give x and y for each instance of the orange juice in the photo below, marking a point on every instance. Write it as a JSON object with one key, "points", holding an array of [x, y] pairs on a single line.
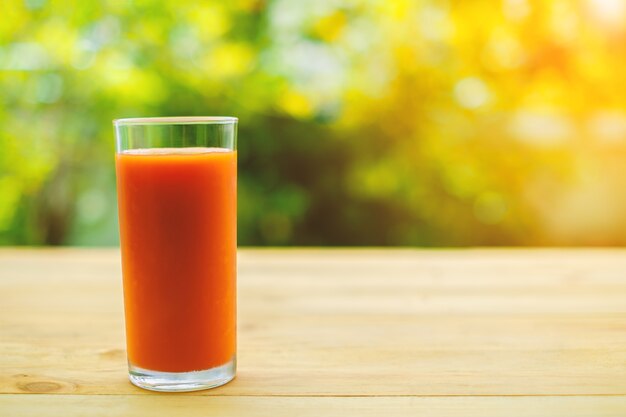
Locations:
{"points": [[177, 209]]}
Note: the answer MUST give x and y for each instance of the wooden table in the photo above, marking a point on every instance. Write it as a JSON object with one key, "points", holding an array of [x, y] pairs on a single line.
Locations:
{"points": [[337, 332]]}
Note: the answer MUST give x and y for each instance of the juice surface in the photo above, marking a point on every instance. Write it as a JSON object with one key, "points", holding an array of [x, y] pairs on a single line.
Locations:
{"points": [[178, 220]]}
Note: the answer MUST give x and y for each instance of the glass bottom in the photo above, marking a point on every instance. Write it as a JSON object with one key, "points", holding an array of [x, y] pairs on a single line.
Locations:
{"points": [[182, 381]]}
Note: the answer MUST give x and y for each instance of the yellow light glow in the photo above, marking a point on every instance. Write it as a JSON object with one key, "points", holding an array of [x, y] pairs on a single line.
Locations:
{"points": [[608, 11]]}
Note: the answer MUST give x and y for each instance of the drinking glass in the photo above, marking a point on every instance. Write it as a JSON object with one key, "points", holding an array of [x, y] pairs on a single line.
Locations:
{"points": [[177, 201]]}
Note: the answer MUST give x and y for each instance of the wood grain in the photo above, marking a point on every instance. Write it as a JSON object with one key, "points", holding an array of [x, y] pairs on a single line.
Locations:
{"points": [[189, 406], [390, 328]]}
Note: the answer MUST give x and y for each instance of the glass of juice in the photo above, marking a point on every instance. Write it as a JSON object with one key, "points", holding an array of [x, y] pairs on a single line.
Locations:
{"points": [[177, 200]]}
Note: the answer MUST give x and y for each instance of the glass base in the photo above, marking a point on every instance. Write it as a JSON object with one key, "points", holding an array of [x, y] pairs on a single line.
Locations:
{"points": [[182, 381]]}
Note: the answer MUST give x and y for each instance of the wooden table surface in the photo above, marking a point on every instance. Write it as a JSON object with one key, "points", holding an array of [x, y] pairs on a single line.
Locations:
{"points": [[337, 332]]}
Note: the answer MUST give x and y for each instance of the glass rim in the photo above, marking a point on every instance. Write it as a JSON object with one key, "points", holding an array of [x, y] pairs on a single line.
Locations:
{"points": [[182, 120]]}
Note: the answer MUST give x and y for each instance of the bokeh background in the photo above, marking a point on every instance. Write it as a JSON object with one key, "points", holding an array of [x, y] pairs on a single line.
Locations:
{"points": [[431, 123]]}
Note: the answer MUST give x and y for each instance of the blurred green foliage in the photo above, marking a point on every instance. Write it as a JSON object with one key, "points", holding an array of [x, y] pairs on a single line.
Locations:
{"points": [[361, 122]]}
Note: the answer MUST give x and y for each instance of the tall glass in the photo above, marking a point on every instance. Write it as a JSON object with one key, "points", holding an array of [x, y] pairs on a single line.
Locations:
{"points": [[177, 200]]}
